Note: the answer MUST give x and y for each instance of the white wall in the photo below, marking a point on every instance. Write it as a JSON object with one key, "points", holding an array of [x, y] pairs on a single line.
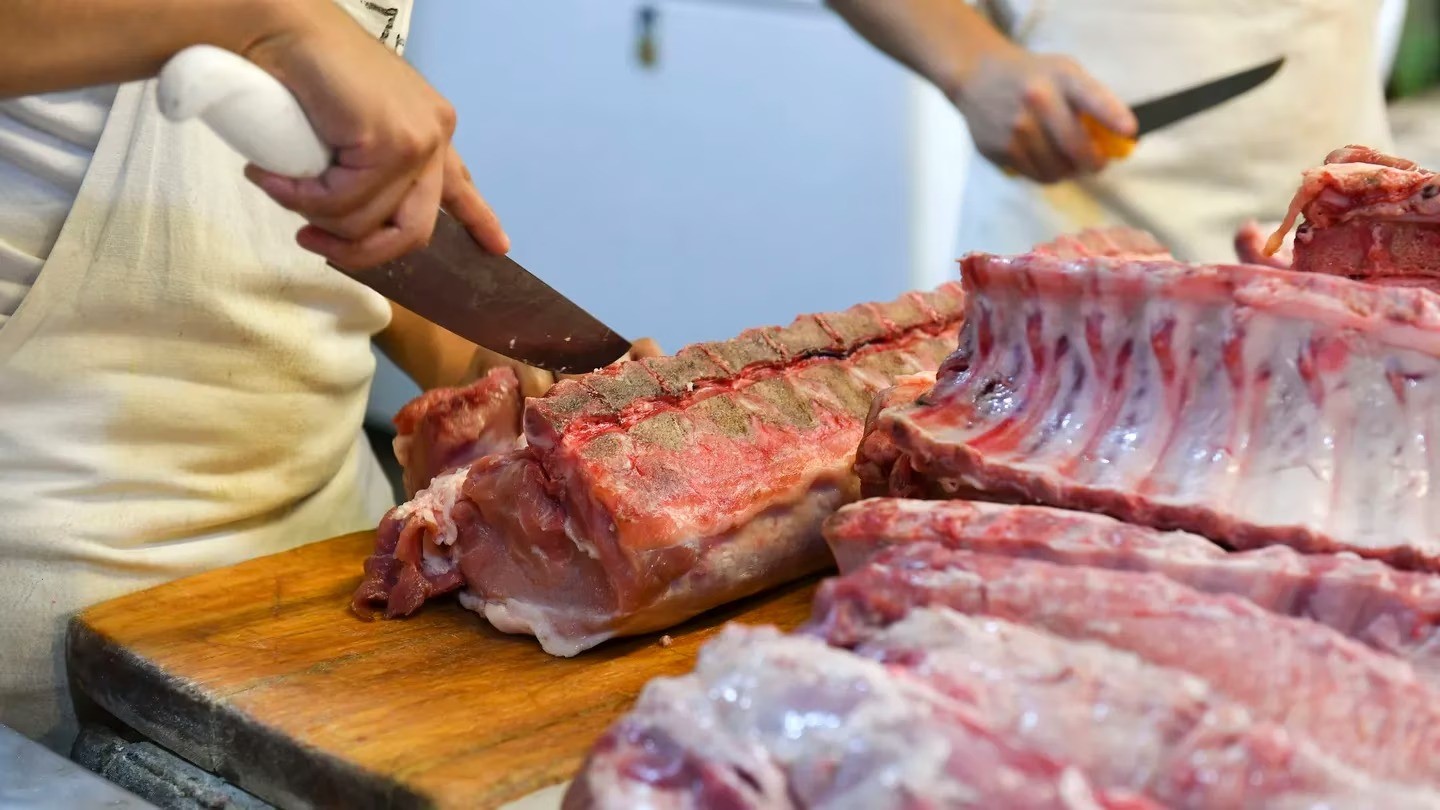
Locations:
{"points": [[762, 169]]}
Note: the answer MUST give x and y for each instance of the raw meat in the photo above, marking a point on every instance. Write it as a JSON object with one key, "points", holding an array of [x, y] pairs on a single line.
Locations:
{"points": [[445, 429], [1390, 610], [1115, 243], [1125, 723], [1250, 405], [1367, 709], [653, 490], [1368, 216], [773, 721]]}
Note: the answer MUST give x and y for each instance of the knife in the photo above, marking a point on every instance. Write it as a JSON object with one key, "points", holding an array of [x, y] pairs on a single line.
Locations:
{"points": [[1166, 110], [486, 298]]}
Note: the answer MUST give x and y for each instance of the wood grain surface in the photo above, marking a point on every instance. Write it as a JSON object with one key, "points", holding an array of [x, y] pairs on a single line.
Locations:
{"points": [[261, 674]]}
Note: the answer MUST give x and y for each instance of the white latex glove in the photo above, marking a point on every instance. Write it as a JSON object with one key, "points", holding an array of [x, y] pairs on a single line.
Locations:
{"points": [[1024, 113]]}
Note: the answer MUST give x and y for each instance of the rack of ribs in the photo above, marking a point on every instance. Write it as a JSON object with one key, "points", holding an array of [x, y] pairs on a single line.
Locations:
{"points": [[653, 490]]}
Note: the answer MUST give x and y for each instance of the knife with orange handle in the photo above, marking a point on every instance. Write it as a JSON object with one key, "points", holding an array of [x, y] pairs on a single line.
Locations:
{"points": [[1166, 110]]}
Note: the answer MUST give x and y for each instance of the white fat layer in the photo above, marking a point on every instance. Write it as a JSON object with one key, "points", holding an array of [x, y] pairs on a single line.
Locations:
{"points": [[434, 506], [526, 618]]}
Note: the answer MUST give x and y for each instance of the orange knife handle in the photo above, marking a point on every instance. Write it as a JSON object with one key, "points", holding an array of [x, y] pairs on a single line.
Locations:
{"points": [[1111, 144]]}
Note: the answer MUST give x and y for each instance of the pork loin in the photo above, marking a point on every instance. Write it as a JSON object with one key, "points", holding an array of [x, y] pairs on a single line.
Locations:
{"points": [[653, 490], [1127, 724], [445, 429], [775, 722], [1387, 609], [1368, 216], [1250, 405], [1367, 709]]}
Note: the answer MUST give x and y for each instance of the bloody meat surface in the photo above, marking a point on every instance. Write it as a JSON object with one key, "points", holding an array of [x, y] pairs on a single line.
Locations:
{"points": [[774, 721], [445, 429], [653, 490], [1250, 405], [1367, 709], [1368, 216], [1387, 609], [1127, 724]]}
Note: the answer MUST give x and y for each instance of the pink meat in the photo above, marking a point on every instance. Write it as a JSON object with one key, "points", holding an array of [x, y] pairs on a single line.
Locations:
{"points": [[445, 429], [1394, 611], [1367, 709], [1127, 724], [653, 490], [772, 721], [1368, 216], [1249, 405], [1115, 243]]}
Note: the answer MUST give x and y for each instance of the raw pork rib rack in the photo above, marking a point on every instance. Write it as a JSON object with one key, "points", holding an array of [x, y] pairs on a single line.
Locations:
{"points": [[1115, 553], [653, 490], [1246, 404]]}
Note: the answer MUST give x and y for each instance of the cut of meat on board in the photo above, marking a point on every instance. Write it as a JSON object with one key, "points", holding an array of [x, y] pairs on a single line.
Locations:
{"points": [[653, 490], [1368, 216], [1125, 723], [1365, 708], [445, 429], [1250, 405], [774, 721], [1114, 242], [1394, 611], [1250, 245]]}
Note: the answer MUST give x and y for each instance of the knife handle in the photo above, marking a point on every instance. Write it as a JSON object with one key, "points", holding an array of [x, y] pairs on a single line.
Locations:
{"points": [[1111, 145], [248, 108]]}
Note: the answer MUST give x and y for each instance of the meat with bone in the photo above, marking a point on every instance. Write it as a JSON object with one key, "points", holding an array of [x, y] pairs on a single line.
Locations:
{"points": [[445, 429], [1250, 405], [1125, 723], [1368, 216], [653, 490], [1115, 243], [1367, 709], [1394, 611], [774, 721]]}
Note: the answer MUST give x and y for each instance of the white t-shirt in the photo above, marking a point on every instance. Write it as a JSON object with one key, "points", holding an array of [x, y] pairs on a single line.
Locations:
{"points": [[46, 142]]}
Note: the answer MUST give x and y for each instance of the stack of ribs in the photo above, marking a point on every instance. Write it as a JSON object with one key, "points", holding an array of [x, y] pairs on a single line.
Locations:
{"points": [[647, 492], [1156, 534]]}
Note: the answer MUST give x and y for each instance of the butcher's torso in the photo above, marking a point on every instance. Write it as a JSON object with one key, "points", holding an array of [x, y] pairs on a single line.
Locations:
{"points": [[1194, 182], [181, 386]]}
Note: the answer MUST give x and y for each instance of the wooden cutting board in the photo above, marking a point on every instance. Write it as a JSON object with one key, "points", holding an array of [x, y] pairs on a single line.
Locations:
{"points": [[260, 673]]}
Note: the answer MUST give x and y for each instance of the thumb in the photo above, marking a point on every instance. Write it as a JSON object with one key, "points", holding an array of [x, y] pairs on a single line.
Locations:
{"points": [[1088, 95]]}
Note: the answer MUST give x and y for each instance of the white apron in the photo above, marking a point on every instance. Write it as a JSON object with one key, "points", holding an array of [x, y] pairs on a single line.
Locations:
{"points": [[181, 389], [1194, 182]]}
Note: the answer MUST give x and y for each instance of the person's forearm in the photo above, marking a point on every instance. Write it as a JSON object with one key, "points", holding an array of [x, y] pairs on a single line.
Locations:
{"points": [[942, 40], [53, 45], [431, 356]]}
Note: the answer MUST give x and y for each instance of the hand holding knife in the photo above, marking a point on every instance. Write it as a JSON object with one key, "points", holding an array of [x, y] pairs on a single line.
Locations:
{"points": [[486, 298]]}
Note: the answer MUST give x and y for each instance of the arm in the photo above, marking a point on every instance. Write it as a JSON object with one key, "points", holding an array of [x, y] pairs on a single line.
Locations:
{"points": [[437, 358], [394, 165], [1022, 109]]}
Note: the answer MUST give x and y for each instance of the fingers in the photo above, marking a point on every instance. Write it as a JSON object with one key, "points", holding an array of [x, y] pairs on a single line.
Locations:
{"points": [[409, 229], [464, 203], [1086, 94], [643, 348], [1070, 145]]}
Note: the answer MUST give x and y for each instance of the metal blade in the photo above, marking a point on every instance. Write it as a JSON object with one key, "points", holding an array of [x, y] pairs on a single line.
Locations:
{"points": [[492, 301], [1164, 111]]}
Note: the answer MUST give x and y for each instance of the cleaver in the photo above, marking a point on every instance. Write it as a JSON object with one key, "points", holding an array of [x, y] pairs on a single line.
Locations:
{"points": [[486, 298]]}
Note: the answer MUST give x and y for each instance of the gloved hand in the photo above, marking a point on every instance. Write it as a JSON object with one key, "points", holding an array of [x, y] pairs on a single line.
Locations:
{"points": [[1024, 110]]}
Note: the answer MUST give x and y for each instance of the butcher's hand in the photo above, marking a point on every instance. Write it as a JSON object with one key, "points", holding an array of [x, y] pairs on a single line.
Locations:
{"points": [[394, 162], [535, 382], [1024, 112]]}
